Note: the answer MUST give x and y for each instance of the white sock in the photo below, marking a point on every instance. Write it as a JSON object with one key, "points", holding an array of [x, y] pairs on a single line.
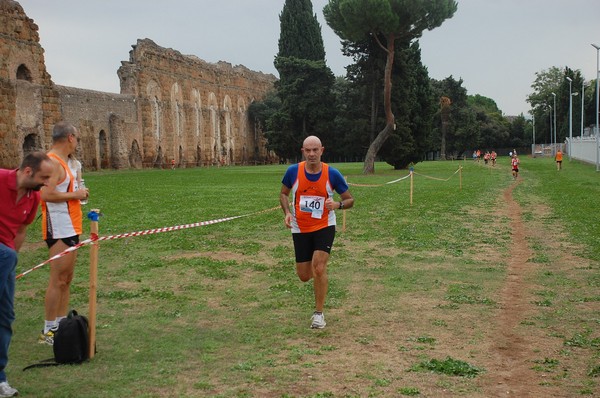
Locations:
{"points": [[49, 325]]}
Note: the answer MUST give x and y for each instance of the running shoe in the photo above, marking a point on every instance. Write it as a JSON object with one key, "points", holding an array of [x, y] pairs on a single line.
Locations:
{"points": [[318, 321], [48, 337]]}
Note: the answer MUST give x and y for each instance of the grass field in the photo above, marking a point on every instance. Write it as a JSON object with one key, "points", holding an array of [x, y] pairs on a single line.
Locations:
{"points": [[414, 300]]}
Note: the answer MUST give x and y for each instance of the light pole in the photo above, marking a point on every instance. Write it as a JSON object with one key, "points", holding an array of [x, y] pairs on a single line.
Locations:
{"points": [[596, 129], [570, 116], [550, 106], [575, 94], [582, 101], [533, 146], [554, 107]]}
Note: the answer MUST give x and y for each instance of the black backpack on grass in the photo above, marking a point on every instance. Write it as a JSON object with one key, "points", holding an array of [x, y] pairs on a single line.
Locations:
{"points": [[71, 342], [72, 339]]}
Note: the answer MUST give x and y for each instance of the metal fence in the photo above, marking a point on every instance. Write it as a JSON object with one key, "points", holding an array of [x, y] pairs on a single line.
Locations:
{"points": [[547, 150], [584, 149]]}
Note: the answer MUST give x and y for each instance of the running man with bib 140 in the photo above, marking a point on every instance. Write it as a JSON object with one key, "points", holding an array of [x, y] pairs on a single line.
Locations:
{"points": [[311, 217]]}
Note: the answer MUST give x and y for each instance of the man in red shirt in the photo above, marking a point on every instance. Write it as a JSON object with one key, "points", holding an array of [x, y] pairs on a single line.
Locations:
{"points": [[19, 199]]}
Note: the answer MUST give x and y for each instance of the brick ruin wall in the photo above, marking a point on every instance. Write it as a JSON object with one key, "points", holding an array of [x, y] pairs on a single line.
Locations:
{"points": [[104, 142], [171, 106], [29, 105], [193, 111]]}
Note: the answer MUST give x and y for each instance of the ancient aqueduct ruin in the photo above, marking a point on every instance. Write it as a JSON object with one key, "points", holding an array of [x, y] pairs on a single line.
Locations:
{"points": [[171, 106]]}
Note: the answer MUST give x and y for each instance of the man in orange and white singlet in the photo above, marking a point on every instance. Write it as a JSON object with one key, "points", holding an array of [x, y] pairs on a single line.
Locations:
{"points": [[311, 218], [61, 226]]}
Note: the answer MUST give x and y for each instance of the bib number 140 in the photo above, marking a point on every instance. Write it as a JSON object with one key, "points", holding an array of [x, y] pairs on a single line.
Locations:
{"points": [[312, 204]]}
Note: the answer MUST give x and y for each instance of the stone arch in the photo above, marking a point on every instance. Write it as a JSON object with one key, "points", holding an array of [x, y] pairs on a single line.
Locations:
{"points": [[158, 161], [242, 119], [198, 123], [153, 92], [31, 143], [214, 132], [104, 150], [227, 137], [135, 156], [198, 155], [177, 109], [156, 118], [197, 113], [256, 126], [23, 73]]}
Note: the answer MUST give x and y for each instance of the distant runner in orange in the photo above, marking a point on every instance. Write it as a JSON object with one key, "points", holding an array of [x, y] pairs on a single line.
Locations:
{"points": [[558, 157]]}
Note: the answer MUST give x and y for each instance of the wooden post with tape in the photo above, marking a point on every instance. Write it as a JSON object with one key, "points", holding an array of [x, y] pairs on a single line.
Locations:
{"points": [[344, 213], [93, 215], [412, 172]]}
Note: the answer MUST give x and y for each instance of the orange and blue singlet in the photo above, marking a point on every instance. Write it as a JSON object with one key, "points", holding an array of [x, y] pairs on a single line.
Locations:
{"points": [[309, 192]]}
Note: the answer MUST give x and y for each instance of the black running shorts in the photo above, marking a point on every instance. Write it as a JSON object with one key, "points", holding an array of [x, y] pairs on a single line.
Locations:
{"points": [[70, 241], [306, 243]]}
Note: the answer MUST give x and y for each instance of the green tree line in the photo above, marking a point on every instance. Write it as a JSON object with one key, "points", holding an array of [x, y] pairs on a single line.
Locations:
{"points": [[387, 107]]}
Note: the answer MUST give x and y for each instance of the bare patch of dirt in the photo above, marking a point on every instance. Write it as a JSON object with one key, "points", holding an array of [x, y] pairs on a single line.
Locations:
{"points": [[215, 255], [510, 372]]}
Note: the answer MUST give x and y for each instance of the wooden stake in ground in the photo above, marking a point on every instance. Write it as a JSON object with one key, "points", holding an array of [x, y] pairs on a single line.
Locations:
{"points": [[412, 172], [344, 214], [93, 216], [460, 178]]}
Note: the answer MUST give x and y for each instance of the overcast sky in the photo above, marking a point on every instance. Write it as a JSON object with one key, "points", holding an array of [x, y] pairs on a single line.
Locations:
{"points": [[495, 46]]}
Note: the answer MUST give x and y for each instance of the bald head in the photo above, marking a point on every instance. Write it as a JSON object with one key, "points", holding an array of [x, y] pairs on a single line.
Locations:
{"points": [[311, 140], [312, 149]]}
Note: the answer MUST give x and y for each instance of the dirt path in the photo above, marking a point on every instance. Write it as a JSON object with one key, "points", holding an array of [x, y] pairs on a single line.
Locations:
{"points": [[512, 374]]}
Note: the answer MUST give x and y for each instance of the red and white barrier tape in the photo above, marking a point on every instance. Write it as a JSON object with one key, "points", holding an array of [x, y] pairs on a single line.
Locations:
{"points": [[168, 229], [96, 238], [59, 255]]}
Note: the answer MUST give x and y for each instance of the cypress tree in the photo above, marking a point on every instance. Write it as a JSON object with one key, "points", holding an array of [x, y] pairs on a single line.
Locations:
{"points": [[300, 35], [305, 82]]}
